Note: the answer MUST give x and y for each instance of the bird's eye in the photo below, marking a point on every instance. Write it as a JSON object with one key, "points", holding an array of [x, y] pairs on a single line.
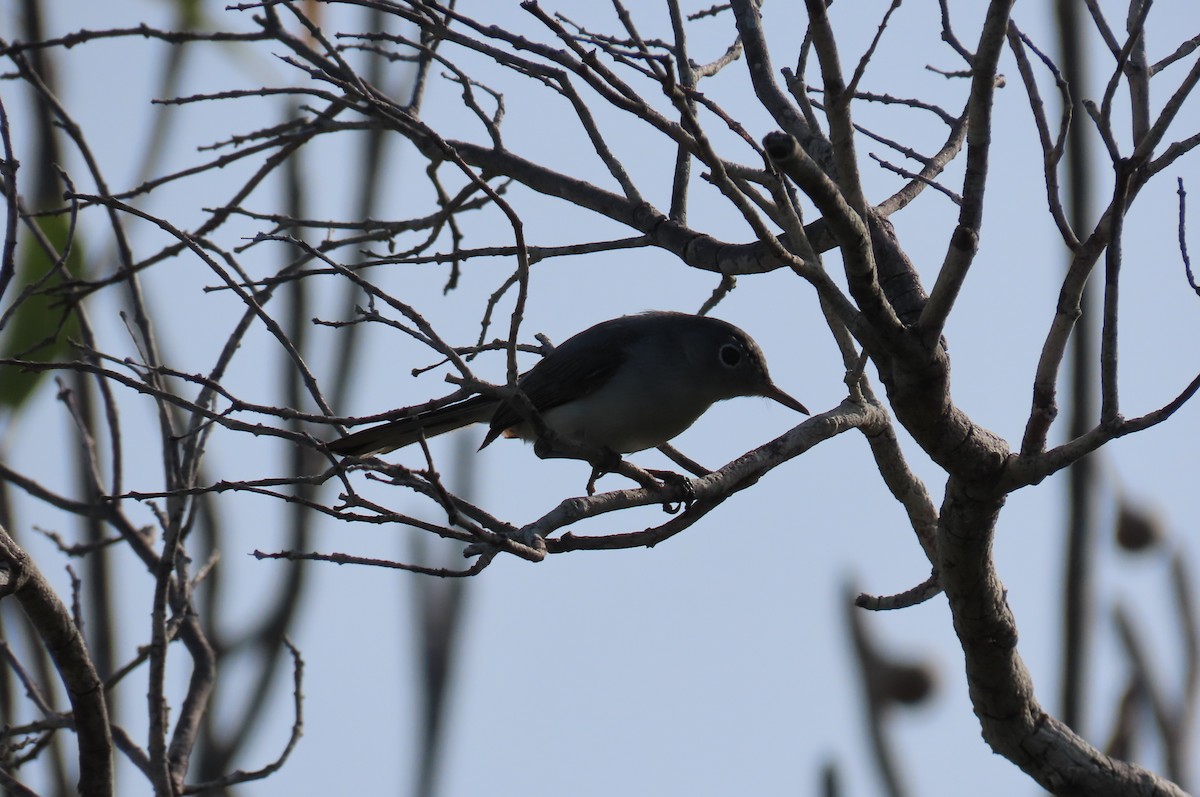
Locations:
{"points": [[731, 354]]}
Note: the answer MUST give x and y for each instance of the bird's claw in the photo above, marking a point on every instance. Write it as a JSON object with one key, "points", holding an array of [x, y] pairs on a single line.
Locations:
{"points": [[671, 481]]}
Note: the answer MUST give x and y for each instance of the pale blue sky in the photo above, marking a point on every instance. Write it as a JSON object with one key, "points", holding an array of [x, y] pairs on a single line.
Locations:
{"points": [[717, 662]]}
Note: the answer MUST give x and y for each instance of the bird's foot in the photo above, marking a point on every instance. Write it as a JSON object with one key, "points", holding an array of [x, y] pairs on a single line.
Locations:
{"points": [[604, 460], [676, 483], [679, 488], [591, 483]]}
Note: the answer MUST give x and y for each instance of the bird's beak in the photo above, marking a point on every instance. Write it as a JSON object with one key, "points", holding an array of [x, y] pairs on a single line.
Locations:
{"points": [[773, 392]]}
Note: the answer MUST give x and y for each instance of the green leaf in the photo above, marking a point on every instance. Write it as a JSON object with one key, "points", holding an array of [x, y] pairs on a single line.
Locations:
{"points": [[41, 327]]}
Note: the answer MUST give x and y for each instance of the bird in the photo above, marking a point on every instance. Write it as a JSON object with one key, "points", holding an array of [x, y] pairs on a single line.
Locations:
{"points": [[621, 386]]}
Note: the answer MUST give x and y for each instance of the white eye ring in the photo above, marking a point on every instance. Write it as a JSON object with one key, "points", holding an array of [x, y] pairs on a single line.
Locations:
{"points": [[731, 355]]}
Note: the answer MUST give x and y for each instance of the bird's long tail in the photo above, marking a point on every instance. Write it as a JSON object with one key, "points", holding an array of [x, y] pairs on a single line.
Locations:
{"points": [[397, 434]]}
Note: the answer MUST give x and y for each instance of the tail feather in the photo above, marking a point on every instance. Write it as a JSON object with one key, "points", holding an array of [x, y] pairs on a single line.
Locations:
{"points": [[397, 434]]}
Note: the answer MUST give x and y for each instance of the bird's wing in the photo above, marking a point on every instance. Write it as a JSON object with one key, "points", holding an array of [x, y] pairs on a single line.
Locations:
{"points": [[576, 368]]}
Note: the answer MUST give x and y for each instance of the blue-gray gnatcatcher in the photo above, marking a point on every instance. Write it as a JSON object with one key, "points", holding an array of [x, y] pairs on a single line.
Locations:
{"points": [[621, 386]]}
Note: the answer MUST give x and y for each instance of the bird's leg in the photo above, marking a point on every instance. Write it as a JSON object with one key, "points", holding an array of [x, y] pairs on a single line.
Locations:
{"points": [[683, 461], [605, 460], [595, 477], [602, 460]]}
